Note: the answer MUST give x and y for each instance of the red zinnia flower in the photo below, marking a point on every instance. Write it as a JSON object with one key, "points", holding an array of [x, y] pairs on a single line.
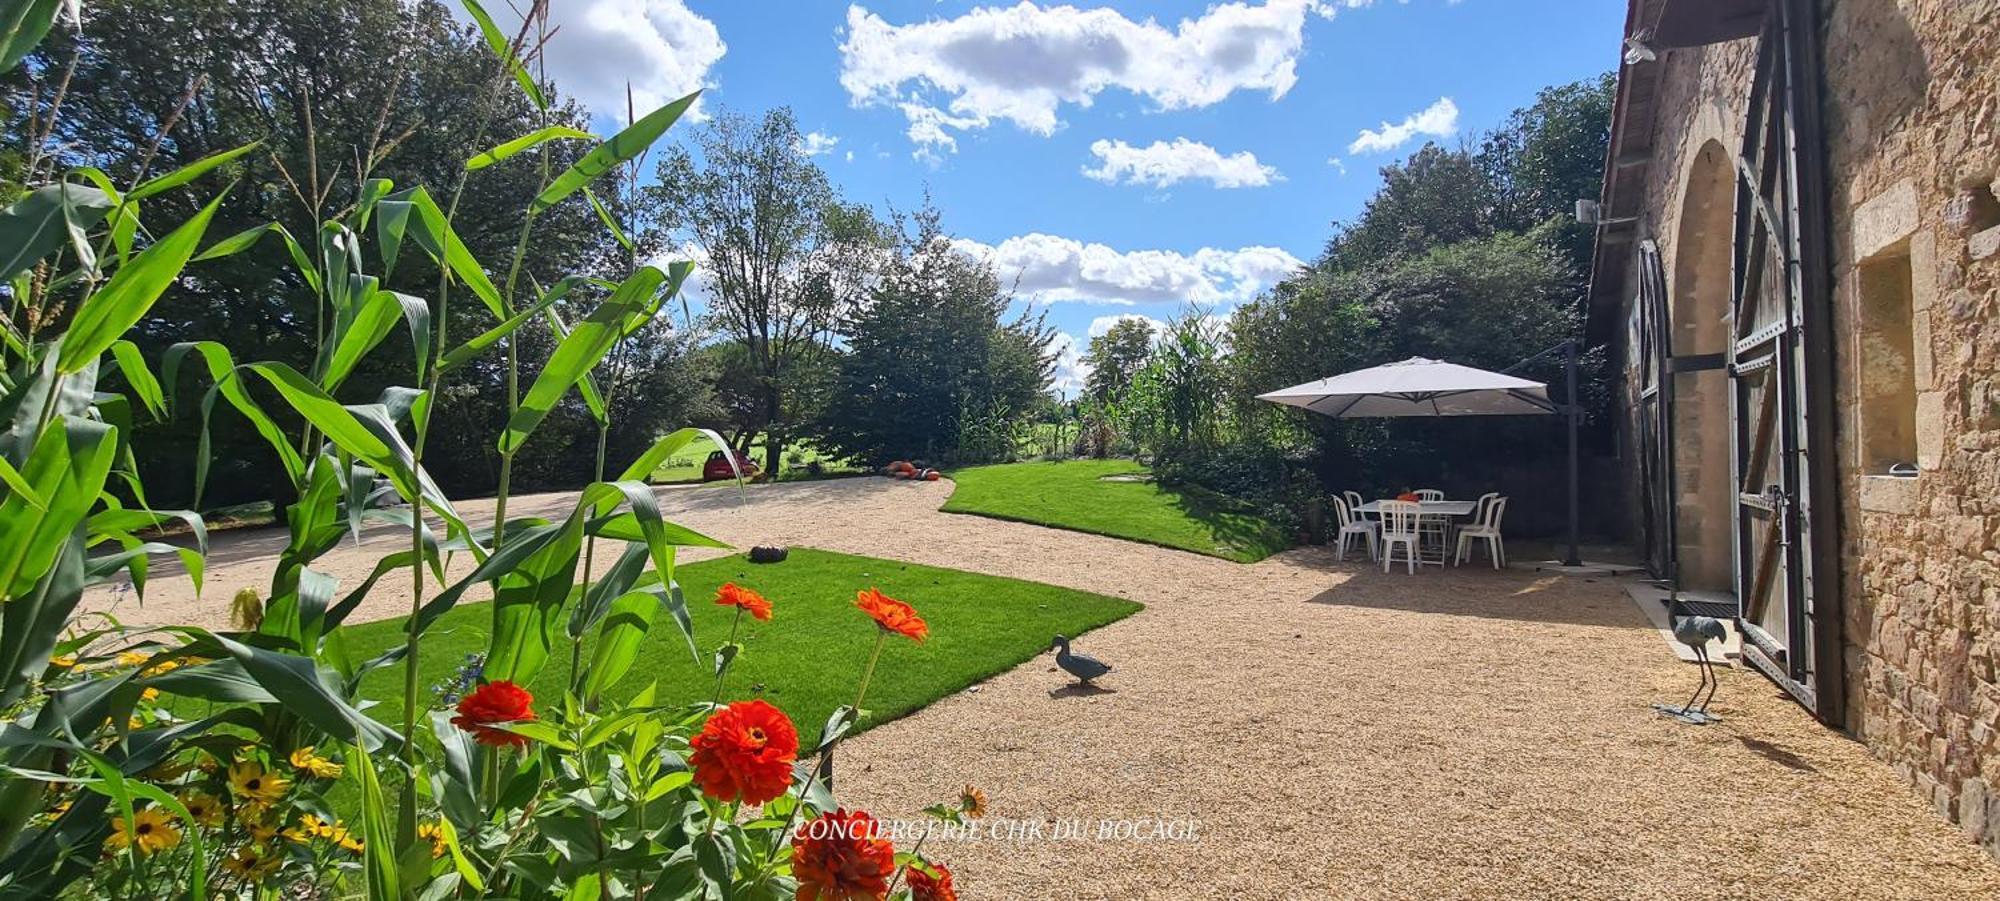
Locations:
{"points": [[891, 614], [734, 595], [925, 887], [495, 702], [842, 857], [745, 753]]}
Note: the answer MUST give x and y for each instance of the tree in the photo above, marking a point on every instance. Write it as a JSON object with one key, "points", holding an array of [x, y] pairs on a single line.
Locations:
{"points": [[1550, 155], [931, 369], [392, 87], [784, 256], [1115, 356]]}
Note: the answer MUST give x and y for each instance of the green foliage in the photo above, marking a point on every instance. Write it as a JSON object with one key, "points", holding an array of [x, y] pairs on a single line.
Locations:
{"points": [[1115, 358], [932, 369], [1117, 498], [785, 258]]}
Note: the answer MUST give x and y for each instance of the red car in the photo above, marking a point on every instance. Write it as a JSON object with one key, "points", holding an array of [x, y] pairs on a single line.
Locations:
{"points": [[717, 467]]}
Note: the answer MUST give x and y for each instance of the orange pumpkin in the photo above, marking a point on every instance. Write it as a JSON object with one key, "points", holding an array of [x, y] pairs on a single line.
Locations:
{"points": [[932, 476]]}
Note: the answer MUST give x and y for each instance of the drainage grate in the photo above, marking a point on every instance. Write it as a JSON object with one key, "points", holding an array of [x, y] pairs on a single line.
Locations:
{"points": [[1719, 609]]}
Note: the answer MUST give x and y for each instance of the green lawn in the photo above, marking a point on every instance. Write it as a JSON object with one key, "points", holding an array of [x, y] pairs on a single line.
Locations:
{"points": [[808, 658], [687, 466], [1073, 494]]}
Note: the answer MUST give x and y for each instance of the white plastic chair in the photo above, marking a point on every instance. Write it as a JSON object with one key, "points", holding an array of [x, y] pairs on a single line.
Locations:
{"points": [[1429, 494], [1487, 527], [1351, 525], [1435, 526], [1479, 506], [1399, 527], [1354, 505]]}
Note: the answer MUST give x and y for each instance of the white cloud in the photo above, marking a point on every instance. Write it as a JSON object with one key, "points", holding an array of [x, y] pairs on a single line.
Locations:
{"points": [[1053, 268], [1164, 164], [815, 143], [1102, 324], [1439, 120], [1071, 370], [660, 47], [1338, 165], [1024, 62]]}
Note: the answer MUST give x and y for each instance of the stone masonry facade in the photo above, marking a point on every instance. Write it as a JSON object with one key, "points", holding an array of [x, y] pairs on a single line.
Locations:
{"points": [[1912, 97]]}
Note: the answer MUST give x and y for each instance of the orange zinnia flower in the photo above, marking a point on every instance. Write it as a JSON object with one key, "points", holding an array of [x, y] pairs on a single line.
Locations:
{"points": [[926, 887], [745, 753], [841, 856], [495, 702], [744, 599], [891, 614]]}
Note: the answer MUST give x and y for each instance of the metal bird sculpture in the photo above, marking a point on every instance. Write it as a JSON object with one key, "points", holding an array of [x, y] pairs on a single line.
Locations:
{"points": [[1083, 666], [1696, 632]]}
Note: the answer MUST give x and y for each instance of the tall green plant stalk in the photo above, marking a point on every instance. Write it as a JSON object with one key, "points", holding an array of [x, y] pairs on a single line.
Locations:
{"points": [[406, 814]]}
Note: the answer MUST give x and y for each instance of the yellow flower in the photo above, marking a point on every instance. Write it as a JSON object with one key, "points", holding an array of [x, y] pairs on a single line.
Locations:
{"points": [[203, 807], [313, 825], [56, 812], [133, 658], [260, 832], [162, 667], [252, 863], [297, 835], [63, 661], [345, 839], [134, 724], [149, 695], [434, 832], [249, 781], [151, 830], [306, 760]]}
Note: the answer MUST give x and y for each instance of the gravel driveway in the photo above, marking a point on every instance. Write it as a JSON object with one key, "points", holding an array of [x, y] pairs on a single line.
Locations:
{"points": [[1321, 729]]}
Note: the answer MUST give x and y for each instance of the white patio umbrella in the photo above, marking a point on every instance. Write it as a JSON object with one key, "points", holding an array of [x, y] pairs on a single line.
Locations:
{"points": [[1424, 387], [1417, 387]]}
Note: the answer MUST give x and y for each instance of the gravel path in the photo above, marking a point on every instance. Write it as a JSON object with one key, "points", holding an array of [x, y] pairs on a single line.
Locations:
{"points": [[1330, 731]]}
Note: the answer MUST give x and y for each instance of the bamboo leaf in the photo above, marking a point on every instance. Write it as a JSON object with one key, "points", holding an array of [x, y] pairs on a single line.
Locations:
{"points": [[666, 447], [465, 353], [67, 467], [302, 688], [526, 142], [604, 216], [106, 315], [621, 148], [226, 383], [435, 233]]}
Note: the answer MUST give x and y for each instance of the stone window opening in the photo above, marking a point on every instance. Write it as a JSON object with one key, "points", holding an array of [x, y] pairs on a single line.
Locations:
{"points": [[1888, 367]]}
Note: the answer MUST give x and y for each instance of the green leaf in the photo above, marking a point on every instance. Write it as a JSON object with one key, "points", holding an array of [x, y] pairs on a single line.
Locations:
{"points": [[378, 842], [465, 353], [371, 323], [67, 466], [526, 142], [223, 375], [189, 172], [502, 49], [625, 625], [106, 315], [435, 234], [132, 365], [299, 685], [245, 239], [39, 223], [23, 24], [580, 352], [604, 216], [621, 148], [665, 448]]}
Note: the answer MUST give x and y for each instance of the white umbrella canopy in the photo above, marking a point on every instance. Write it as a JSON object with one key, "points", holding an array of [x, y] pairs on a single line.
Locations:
{"points": [[1417, 387]]}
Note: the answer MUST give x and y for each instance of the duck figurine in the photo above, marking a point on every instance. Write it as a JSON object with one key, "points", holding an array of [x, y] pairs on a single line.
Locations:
{"points": [[1083, 666]]}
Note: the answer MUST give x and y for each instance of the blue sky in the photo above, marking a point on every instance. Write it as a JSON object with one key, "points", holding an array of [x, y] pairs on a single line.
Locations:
{"points": [[1117, 158]]}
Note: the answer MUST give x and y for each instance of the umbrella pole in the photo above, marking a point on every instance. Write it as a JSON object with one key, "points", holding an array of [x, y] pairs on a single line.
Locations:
{"points": [[1570, 412]]}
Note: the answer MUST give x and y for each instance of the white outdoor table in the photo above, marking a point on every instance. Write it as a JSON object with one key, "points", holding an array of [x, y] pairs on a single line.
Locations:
{"points": [[1435, 508]]}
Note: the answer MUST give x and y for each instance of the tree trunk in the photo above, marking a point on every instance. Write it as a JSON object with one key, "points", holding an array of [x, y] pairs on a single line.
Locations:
{"points": [[774, 444]]}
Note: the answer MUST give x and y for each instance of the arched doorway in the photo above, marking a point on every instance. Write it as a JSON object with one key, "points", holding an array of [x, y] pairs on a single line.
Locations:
{"points": [[1699, 310]]}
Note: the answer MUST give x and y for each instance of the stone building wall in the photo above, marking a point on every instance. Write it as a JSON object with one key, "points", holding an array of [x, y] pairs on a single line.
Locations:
{"points": [[1912, 91]]}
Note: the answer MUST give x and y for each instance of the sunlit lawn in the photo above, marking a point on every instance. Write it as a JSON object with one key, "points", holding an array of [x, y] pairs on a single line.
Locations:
{"points": [[1074, 494], [686, 467], [808, 658]]}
